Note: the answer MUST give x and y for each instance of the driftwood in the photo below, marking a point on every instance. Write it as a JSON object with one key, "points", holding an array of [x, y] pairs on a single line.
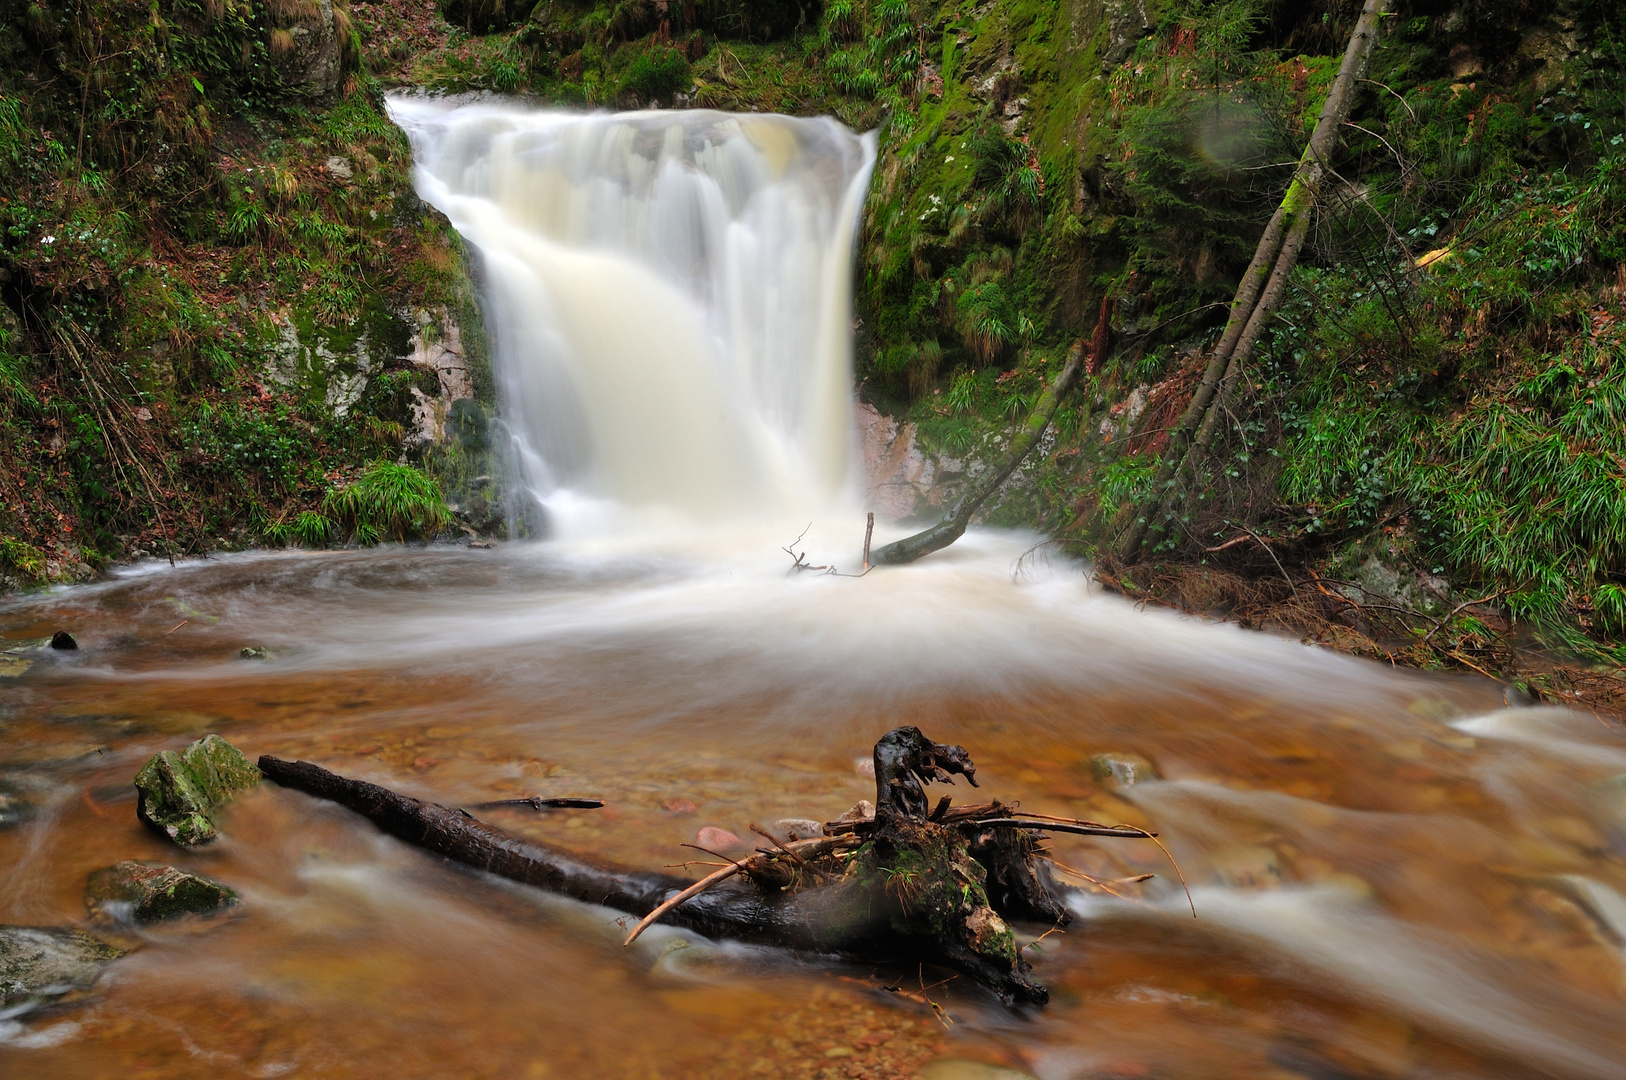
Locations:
{"points": [[912, 884]]}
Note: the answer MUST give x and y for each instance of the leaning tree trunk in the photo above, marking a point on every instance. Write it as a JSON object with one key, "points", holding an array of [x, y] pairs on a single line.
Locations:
{"points": [[1261, 289], [954, 523]]}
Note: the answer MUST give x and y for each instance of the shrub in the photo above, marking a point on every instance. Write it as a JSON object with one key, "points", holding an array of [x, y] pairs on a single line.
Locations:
{"points": [[389, 501]]}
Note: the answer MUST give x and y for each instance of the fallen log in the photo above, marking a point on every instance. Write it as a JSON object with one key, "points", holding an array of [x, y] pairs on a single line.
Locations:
{"points": [[958, 518], [900, 887]]}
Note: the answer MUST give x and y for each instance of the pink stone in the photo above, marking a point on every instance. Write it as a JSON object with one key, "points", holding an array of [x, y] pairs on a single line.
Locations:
{"points": [[717, 839]]}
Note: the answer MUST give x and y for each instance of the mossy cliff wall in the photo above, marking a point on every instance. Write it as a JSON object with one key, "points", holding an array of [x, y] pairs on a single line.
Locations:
{"points": [[241, 302]]}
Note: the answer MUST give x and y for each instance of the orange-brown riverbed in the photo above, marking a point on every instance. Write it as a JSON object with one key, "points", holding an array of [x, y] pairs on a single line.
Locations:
{"points": [[1394, 875]]}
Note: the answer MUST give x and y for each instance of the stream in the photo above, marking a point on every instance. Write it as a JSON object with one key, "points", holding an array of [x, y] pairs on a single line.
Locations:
{"points": [[1394, 874]]}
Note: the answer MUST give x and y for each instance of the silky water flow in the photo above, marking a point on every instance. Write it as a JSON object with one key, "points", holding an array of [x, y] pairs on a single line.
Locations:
{"points": [[1395, 874]]}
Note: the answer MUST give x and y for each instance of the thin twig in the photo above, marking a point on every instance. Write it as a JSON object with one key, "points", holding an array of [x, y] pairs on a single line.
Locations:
{"points": [[1127, 831], [1458, 610], [536, 802], [1035, 942], [1104, 886], [1169, 855], [718, 854], [774, 840], [698, 887], [1403, 101]]}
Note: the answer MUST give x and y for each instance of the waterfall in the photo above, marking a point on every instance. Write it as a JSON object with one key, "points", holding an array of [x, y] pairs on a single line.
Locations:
{"points": [[667, 295]]}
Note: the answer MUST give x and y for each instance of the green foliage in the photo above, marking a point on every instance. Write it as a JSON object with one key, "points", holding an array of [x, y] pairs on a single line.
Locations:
{"points": [[308, 528], [26, 559], [1209, 130], [232, 442], [659, 74], [389, 502], [986, 320]]}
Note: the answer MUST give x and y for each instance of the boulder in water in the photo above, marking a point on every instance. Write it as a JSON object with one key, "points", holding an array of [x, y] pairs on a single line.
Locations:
{"points": [[63, 641], [38, 963], [178, 793], [1122, 769], [138, 893], [15, 805]]}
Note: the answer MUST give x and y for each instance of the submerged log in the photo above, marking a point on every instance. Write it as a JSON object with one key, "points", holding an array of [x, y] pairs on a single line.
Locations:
{"points": [[910, 885]]}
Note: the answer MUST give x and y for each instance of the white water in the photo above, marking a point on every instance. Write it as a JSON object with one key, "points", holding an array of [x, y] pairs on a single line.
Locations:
{"points": [[668, 296]]}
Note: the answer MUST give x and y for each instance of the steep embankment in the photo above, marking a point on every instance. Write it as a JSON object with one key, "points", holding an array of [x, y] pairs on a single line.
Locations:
{"points": [[241, 303]]}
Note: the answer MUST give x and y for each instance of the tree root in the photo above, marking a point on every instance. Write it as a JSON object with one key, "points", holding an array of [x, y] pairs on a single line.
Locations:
{"points": [[906, 886]]}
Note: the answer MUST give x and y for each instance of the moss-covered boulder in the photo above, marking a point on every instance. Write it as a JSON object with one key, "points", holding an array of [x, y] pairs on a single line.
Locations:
{"points": [[38, 963], [178, 793], [138, 893]]}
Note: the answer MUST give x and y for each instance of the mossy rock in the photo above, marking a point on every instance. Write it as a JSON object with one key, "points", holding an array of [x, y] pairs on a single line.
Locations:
{"points": [[178, 793], [38, 963], [139, 893], [1122, 769]]}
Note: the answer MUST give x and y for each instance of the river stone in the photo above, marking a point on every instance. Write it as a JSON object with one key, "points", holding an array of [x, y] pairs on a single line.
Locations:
{"points": [[136, 892], [41, 962], [791, 828], [178, 793], [15, 806], [17, 657], [1122, 769]]}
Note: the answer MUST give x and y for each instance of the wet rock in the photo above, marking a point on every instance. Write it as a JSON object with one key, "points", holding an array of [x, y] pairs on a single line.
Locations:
{"points": [[862, 810], [178, 793], [960, 1069], [132, 892], [307, 52], [256, 652], [38, 963], [717, 839], [898, 476], [1122, 769], [791, 828], [15, 806], [1248, 867], [62, 640], [17, 657]]}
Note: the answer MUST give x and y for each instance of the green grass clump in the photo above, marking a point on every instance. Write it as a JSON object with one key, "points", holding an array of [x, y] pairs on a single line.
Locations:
{"points": [[22, 557], [389, 502]]}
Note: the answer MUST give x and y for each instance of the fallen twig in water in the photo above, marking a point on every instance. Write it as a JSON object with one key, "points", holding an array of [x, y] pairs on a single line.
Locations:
{"points": [[538, 803]]}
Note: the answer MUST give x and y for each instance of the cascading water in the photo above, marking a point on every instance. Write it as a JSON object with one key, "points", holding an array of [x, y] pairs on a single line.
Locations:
{"points": [[668, 295]]}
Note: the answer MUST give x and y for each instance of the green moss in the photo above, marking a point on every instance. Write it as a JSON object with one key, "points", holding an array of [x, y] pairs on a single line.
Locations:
{"points": [[178, 794], [145, 894]]}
